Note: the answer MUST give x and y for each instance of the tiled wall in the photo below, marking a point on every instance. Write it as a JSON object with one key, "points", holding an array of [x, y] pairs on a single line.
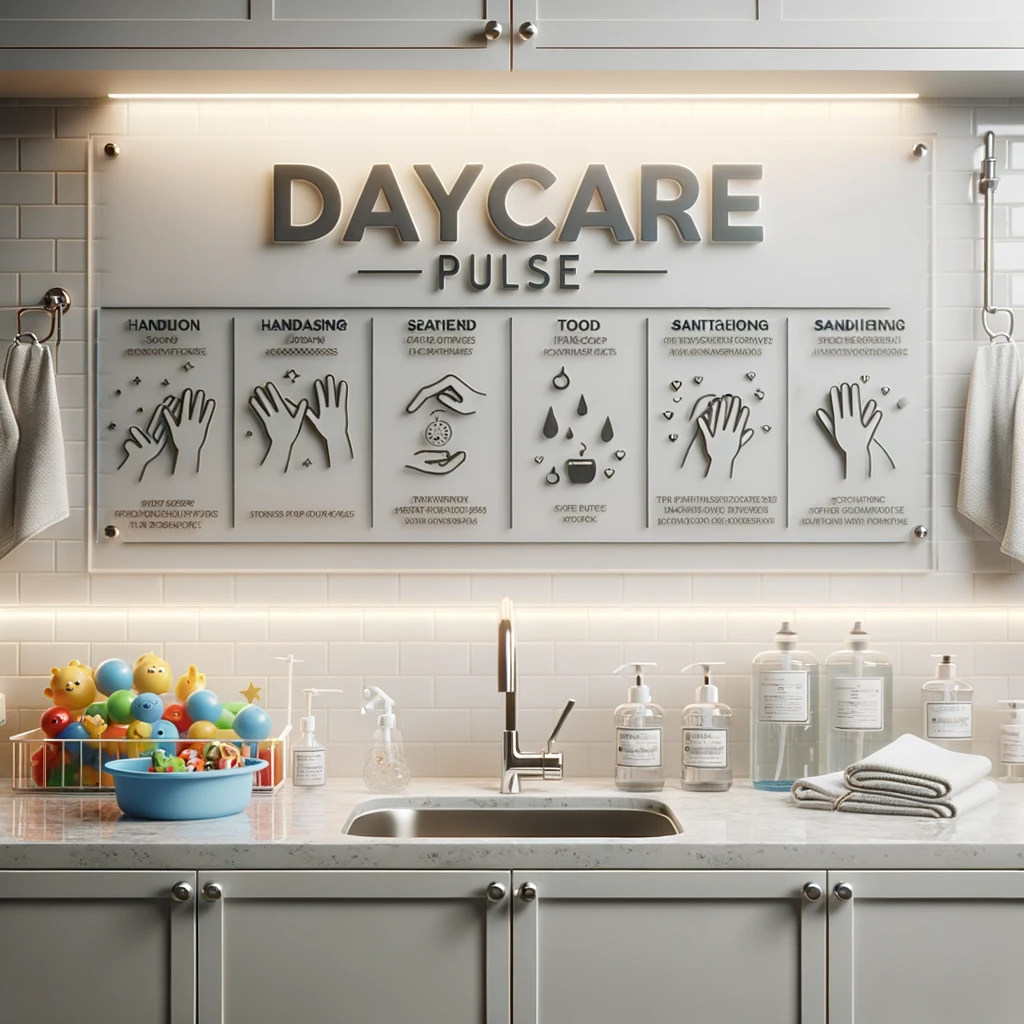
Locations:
{"points": [[429, 640]]}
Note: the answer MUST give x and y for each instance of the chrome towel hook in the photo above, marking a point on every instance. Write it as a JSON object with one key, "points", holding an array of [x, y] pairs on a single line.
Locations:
{"points": [[988, 182], [56, 302]]}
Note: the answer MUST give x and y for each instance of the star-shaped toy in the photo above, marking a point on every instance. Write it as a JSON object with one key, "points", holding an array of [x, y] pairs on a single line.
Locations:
{"points": [[251, 693]]}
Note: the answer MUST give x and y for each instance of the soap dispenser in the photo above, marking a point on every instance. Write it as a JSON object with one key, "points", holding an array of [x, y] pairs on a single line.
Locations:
{"points": [[706, 767], [639, 730], [784, 741], [309, 756], [859, 701], [386, 770], [1011, 742], [948, 708]]}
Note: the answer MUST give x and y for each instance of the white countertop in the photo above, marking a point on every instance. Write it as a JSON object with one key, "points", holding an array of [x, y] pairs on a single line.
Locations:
{"points": [[302, 829]]}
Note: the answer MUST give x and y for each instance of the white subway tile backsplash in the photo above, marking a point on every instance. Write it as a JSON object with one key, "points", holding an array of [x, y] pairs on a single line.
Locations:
{"points": [[434, 659], [365, 659], [398, 624], [188, 589]]}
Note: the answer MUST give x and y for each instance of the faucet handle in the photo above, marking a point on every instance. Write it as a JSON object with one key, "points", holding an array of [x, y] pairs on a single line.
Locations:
{"points": [[569, 705]]}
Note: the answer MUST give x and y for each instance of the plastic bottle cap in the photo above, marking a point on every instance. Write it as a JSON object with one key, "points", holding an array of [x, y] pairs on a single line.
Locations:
{"points": [[785, 638], [639, 692], [308, 723], [386, 721], [858, 639], [945, 668]]}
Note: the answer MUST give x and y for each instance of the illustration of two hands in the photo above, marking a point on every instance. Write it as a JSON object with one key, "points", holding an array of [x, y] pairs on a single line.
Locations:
{"points": [[851, 426], [282, 420], [722, 429], [455, 395], [184, 421]]}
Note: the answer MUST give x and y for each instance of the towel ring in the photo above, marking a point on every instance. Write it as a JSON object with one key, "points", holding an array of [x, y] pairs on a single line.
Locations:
{"points": [[51, 312], [995, 335], [995, 338]]}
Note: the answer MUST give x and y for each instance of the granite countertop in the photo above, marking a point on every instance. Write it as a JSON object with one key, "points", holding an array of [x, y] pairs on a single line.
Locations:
{"points": [[302, 829]]}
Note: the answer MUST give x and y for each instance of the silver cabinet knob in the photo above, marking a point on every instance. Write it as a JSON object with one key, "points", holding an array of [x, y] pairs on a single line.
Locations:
{"points": [[181, 892], [495, 892], [528, 892], [212, 892], [527, 30], [843, 891], [812, 891], [492, 31]]}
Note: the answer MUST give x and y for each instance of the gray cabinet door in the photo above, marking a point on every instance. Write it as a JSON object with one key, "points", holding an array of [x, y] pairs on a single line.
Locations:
{"points": [[678, 34], [389, 28], [615, 946], [79, 945], [358, 946], [934, 946]]}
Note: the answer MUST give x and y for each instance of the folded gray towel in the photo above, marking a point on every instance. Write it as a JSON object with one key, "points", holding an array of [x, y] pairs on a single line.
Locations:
{"points": [[8, 460]]}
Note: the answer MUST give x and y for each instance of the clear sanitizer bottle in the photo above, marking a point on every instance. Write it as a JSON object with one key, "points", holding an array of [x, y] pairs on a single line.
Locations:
{"points": [[784, 711], [948, 708], [1011, 742], [706, 765], [386, 769], [639, 732], [859, 701], [309, 755]]}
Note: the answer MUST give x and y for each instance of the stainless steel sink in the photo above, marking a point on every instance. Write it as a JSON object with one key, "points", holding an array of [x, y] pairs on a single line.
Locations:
{"points": [[401, 821]]}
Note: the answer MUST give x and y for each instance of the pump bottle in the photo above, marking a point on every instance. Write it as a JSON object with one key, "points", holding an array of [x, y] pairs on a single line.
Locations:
{"points": [[859, 701], [1011, 742], [784, 742], [706, 765], [639, 732], [948, 708], [386, 769], [309, 756]]}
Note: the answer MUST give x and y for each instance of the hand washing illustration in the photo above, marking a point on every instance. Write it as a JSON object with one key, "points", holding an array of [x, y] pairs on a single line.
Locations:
{"points": [[183, 421], [852, 427]]}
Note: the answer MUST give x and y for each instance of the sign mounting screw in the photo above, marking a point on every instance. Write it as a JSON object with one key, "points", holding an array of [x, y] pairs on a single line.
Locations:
{"points": [[112, 149], [921, 532], [921, 149]]}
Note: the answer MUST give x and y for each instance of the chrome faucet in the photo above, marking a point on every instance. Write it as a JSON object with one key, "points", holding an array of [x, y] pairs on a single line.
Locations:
{"points": [[515, 762]]}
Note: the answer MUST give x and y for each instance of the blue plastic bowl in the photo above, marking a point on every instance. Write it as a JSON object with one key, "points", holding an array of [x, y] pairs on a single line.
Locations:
{"points": [[179, 796]]}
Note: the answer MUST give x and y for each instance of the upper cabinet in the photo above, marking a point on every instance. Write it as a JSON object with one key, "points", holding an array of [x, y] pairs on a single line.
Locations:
{"points": [[747, 34], [457, 34]]}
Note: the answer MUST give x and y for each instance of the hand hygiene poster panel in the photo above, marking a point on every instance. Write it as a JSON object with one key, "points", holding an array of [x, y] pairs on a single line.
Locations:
{"points": [[609, 345]]}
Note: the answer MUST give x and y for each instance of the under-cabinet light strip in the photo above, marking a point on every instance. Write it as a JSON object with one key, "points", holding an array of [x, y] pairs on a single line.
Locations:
{"points": [[512, 96]]}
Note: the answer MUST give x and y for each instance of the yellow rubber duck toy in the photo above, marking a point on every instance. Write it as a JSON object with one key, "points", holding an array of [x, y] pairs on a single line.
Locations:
{"points": [[72, 687], [190, 682], [151, 674]]}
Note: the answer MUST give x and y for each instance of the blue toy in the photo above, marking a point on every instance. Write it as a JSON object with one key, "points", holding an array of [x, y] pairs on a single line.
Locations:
{"points": [[147, 707], [113, 675], [203, 706], [252, 724], [164, 730], [74, 731]]}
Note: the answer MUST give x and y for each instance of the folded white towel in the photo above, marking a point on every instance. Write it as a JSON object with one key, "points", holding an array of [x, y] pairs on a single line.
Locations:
{"points": [[830, 793], [40, 480], [8, 459], [909, 777], [913, 767], [985, 471]]}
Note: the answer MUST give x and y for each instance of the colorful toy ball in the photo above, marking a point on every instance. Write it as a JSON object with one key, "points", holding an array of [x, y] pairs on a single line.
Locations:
{"points": [[113, 675], [203, 706], [226, 720], [252, 723], [165, 731], [72, 687], [202, 730], [147, 707], [190, 682], [97, 707], [152, 674], [175, 714], [54, 721], [75, 731], [119, 706]]}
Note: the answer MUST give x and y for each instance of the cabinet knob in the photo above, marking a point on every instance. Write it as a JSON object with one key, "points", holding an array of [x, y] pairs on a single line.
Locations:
{"points": [[495, 892], [492, 31], [181, 892], [212, 892], [843, 891], [528, 892], [527, 30], [812, 891]]}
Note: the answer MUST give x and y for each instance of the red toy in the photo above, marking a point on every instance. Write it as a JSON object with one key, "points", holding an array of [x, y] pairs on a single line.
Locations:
{"points": [[54, 721]]}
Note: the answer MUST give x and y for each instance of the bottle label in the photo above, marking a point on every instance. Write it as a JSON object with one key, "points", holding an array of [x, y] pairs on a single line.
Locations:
{"points": [[857, 703], [638, 748], [949, 720], [1011, 744], [782, 697], [309, 767], [705, 748]]}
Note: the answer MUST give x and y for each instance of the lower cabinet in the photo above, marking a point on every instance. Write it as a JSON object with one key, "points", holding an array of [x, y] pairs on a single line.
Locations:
{"points": [[93, 947], [363, 947], [935, 946], [618, 946]]}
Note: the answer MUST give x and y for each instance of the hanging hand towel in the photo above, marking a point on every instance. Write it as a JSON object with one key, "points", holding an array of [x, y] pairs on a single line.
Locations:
{"points": [[913, 767], [985, 471], [8, 457], [1013, 539], [40, 480]]}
